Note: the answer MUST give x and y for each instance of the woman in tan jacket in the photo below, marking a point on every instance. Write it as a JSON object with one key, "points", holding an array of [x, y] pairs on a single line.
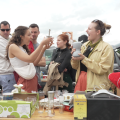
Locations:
{"points": [[96, 59]]}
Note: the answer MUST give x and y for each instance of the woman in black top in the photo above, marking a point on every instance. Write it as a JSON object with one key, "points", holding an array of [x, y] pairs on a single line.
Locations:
{"points": [[63, 56]]}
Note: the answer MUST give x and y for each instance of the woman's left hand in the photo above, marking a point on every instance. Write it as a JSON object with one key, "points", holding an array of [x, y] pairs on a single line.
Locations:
{"points": [[81, 57]]}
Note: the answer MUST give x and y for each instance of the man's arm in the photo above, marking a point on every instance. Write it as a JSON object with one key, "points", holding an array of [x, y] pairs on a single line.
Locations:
{"points": [[42, 62]]}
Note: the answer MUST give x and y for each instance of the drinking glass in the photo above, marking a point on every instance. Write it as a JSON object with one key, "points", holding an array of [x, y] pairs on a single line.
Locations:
{"points": [[61, 106], [51, 111], [31, 98], [41, 95], [57, 94], [41, 108]]}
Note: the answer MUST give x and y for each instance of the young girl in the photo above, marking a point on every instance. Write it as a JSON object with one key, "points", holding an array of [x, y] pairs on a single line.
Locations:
{"points": [[21, 61]]}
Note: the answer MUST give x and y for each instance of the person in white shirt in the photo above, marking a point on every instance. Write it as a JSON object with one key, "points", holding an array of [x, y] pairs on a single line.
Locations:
{"points": [[7, 79]]}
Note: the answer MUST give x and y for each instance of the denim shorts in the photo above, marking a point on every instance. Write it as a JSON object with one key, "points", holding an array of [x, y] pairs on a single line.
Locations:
{"points": [[7, 82]]}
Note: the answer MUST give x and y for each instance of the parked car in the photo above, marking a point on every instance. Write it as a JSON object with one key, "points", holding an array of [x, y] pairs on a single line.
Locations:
{"points": [[48, 56], [116, 49]]}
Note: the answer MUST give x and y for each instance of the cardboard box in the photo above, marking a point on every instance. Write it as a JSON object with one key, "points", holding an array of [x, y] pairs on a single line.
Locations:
{"points": [[80, 107], [23, 96], [15, 109], [20, 108]]}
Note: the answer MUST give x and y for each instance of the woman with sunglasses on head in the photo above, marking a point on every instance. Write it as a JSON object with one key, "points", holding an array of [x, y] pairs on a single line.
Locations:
{"points": [[21, 59], [96, 59]]}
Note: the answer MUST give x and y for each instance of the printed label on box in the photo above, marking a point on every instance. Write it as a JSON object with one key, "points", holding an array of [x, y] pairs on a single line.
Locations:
{"points": [[13, 108], [80, 107]]}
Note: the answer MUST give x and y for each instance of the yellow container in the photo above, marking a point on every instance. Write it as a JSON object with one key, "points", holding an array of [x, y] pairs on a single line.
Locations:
{"points": [[80, 107]]}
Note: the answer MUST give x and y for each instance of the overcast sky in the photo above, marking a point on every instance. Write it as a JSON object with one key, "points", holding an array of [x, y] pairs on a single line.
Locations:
{"points": [[62, 15]]}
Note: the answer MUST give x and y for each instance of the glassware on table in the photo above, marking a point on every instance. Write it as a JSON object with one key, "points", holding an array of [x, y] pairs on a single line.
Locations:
{"points": [[15, 98], [46, 106], [41, 95], [57, 94], [61, 106], [64, 91], [41, 108], [31, 99], [51, 111]]}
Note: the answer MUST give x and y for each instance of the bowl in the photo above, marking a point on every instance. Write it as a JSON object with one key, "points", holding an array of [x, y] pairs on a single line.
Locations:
{"points": [[7, 96]]}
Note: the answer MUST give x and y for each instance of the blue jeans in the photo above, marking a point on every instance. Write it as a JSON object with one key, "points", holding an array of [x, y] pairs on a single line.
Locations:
{"points": [[7, 82]]}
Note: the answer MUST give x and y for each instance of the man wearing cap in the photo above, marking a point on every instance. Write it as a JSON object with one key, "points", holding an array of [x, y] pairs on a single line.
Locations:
{"points": [[7, 79], [34, 29]]}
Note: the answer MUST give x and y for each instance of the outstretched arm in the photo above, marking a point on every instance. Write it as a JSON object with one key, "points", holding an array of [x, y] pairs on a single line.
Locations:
{"points": [[15, 51]]}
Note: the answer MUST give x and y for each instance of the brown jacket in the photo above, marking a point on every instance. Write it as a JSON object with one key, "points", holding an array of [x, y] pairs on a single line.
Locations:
{"points": [[54, 78]]}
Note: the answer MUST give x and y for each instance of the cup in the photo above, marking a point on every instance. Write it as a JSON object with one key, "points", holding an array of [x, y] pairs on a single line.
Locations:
{"points": [[77, 46], [57, 94], [51, 111], [48, 36], [41, 95], [41, 108], [61, 99], [19, 89], [31, 99], [61, 106]]}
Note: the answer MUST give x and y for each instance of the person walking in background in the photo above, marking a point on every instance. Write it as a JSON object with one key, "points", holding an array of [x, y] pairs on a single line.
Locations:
{"points": [[96, 59], [7, 79], [62, 55], [20, 59], [34, 29]]}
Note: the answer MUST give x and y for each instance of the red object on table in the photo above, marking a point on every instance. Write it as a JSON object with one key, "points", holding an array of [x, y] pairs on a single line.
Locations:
{"points": [[115, 78], [66, 108]]}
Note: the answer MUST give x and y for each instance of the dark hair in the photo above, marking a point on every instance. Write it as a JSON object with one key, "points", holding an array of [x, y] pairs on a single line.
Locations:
{"points": [[101, 26], [16, 39], [65, 37], [4, 23], [84, 38], [34, 25]]}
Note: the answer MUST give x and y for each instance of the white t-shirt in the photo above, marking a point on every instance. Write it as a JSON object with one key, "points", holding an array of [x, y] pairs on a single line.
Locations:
{"points": [[5, 66]]}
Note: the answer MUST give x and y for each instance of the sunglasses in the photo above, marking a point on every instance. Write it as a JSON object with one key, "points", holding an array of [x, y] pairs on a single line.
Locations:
{"points": [[5, 30], [98, 21]]}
